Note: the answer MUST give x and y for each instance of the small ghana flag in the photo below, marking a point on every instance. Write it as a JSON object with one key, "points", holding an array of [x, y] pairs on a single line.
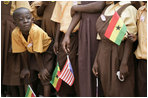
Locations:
{"points": [[56, 81], [30, 92], [67, 74], [116, 29]]}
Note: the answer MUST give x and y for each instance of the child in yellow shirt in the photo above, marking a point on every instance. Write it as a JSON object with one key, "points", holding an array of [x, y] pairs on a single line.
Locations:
{"points": [[28, 38]]}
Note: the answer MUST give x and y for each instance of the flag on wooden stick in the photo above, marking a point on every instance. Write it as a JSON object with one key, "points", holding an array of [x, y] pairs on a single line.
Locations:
{"points": [[116, 29]]}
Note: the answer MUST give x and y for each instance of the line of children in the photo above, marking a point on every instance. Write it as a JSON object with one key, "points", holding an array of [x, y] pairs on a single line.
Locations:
{"points": [[35, 47]]}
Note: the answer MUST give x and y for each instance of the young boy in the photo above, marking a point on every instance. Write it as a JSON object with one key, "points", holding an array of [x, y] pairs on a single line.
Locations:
{"points": [[10, 63], [29, 38]]}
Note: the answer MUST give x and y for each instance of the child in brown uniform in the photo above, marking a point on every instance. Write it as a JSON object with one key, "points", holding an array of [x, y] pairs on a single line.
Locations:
{"points": [[28, 37], [141, 52], [45, 11], [61, 15], [111, 58], [87, 13], [11, 63]]}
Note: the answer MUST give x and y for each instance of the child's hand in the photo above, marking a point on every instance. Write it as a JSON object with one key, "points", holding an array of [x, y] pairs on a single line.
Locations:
{"points": [[132, 37], [55, 47], [124, 71], [66, 44], [95, 69], [43, 74], [25, 73]]}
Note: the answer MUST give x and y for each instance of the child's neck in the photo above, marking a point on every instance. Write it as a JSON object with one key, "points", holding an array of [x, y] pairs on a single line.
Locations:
{"points": [[25, 34]]}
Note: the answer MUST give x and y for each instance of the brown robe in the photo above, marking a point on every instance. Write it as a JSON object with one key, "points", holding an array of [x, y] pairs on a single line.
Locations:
{"points": [[86, 52], [109, 57]]}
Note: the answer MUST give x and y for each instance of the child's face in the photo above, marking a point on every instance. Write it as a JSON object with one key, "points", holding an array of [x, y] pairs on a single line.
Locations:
{"points": [[24, 21]]}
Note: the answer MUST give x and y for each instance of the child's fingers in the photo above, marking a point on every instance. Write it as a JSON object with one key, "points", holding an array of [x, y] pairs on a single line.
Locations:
{"points": [[64, 47]]}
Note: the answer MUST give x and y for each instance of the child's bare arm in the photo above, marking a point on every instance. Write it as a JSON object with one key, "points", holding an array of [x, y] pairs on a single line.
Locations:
{"points": [[43, 71], [89, 8], [56, 43], [127, 51], [25, 72], [66, 40]]}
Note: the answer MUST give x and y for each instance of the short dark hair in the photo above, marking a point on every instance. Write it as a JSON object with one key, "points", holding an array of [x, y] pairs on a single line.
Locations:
{"points": [[17, 11]]}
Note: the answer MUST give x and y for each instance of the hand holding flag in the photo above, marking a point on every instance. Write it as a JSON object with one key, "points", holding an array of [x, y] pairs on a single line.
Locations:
{"points": [[67, 74]]}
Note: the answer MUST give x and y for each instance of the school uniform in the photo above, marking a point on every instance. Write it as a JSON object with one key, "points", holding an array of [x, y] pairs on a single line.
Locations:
{"points": [[61, 15], [141, 52], [109, 54], [38, 41], [11, 63]]}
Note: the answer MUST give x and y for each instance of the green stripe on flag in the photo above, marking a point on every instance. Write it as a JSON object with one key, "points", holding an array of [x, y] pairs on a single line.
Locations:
{"points": [[54, 74], [121, 35], [27, 93]]}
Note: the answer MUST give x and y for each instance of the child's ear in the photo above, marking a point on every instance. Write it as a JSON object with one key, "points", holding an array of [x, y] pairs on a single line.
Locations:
{"points": [[32, 19]]}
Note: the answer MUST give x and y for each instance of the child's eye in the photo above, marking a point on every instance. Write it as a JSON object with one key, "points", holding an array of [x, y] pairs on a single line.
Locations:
{"points": [[28, 17], [20, 18]]}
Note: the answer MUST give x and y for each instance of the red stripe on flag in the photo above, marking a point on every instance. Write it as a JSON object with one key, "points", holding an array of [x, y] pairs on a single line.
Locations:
{"points": [[32, 95], [112, 24], [67, 73], [72, 81], [68, 77], [64, 72], [58, 85], [64, 66]]}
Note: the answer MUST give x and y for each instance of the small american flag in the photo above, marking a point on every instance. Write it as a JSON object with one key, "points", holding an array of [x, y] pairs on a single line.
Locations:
{"points": [[67, 73]]}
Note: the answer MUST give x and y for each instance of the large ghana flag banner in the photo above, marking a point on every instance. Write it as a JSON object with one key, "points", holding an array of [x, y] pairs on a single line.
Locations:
{"points": [[116, 29]]}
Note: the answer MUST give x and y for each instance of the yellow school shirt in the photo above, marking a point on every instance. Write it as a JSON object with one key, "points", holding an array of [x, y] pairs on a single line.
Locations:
{"points": [[38, 40], [61, 14], [141, 51], [128, 16], [18, 4], [34, 6]]}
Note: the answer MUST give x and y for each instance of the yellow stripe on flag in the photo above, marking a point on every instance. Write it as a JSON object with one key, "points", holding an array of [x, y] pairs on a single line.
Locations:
{"points": [[30, 93], [55, 82], [115, 32], [56, 79]]}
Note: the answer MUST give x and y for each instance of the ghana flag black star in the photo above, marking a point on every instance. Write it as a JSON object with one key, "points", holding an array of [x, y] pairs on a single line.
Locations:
{"points": [[118, 27]]}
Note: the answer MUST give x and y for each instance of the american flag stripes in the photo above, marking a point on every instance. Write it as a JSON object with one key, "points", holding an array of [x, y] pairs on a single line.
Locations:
{"points": [[67, 73]]}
